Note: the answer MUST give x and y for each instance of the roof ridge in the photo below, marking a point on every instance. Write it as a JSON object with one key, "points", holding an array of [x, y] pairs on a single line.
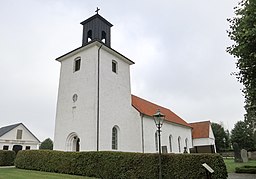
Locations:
{"points": [[200, 122]]}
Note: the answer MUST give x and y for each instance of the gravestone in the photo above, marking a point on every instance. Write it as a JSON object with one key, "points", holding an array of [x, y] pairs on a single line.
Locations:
{"points": [[237, 154], [164, 149], [244, 155], [249, 155]]}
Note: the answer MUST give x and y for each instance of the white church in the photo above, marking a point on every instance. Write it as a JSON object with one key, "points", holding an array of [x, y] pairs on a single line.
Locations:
{"points": [[95, 108]]}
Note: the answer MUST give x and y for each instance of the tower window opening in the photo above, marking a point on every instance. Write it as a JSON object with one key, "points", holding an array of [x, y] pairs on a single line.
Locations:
{"points": [[77, 64], [103, 36], [89, 35], [114, 66]]}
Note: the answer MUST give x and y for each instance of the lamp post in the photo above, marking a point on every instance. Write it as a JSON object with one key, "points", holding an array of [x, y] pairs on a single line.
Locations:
{"points": [[159, 119]]}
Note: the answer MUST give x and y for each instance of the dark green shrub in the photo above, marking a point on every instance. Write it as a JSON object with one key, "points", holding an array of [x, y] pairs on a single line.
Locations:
{"points": [[246, 169], [7, 157], [121, 165]]}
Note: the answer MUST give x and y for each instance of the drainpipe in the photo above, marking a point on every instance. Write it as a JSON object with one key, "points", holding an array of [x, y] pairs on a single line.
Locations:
{"points": [[142, 132], [98, 100]]}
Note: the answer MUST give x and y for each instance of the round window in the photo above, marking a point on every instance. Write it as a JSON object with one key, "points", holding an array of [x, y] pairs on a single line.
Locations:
{"points": [[74, 97]]}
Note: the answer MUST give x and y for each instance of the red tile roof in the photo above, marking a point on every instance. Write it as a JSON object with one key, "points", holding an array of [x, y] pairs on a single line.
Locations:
{"points": [[148, 108], [200, 129]]}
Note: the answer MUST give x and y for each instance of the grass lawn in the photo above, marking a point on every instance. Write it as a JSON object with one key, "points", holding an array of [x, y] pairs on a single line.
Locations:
{"points": [[231, 165], [15, 173]]}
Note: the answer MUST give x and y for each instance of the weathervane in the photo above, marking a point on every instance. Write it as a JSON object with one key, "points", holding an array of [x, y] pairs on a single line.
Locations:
{"points": [[97, 10]]}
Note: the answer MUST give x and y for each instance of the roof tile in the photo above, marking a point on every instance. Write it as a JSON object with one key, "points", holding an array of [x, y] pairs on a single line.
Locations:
{"points": [[149, 109], [200, 129]]}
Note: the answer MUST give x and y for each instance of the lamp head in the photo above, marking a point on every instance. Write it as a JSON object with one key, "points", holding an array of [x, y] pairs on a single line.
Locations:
{"points": [[159, 118]]}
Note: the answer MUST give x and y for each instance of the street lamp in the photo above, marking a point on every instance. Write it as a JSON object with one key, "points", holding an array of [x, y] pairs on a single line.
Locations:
{"points": [[159, 119]]}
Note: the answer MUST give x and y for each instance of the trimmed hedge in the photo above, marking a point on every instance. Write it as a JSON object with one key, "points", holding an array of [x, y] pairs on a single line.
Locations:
{"points": [[246, 169], [7, 157], [111, 165]]}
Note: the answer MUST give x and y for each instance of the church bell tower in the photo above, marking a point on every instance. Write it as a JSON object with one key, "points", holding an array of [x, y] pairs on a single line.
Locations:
{"points": [[96, 28], [94, 95]]}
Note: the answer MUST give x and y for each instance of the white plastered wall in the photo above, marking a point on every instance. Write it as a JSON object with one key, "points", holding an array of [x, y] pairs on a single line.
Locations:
{"points": [[115, 102], [167, 129]]}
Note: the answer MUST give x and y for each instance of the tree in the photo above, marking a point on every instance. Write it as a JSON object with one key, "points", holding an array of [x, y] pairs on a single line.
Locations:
{"points": [[242, 134], [243, 33], [221, 137], [46, 144]]}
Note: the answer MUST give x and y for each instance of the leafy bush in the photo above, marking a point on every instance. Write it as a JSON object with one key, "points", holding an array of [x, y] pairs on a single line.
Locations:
{"points": [[246, 169], [7, 157], [120, 164]]}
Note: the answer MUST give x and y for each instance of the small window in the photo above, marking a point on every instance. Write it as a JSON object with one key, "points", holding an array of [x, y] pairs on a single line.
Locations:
{"points": [[114, 138], [77, 64], [5, 147], [114, 66], [19, 134], [27, 147]]}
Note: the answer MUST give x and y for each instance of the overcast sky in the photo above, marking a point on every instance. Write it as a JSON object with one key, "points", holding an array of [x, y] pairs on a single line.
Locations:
{"points": [[178, 46]]}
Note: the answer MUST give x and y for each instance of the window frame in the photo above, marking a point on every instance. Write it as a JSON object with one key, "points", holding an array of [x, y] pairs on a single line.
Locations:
{"points": [[114, 66], [179, 144], [77, 64], [170, 142], [114, 138], [186, 143], [19, 134]]}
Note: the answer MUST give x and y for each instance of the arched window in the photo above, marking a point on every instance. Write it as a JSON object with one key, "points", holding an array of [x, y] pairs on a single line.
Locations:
{"points": [[156, 140], [114, 138], [179, 140], [186, 143], [89, 35], [170, 142], [103, 36]]}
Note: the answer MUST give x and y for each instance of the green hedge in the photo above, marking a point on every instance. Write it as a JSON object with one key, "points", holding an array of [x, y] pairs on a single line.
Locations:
{"points": [[7, 157], [246, 169], [120, 164]]}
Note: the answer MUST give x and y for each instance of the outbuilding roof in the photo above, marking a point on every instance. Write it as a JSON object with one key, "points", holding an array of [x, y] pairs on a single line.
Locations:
{"points": [[4, 130], [148, 108], [200, 129]]}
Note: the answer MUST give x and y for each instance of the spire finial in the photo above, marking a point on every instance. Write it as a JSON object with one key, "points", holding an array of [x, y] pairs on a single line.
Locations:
{"points": [[97, 10]]}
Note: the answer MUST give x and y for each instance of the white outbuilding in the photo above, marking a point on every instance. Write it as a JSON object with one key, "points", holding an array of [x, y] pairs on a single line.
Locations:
{"points": [[17, 137], [95, 108]]}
